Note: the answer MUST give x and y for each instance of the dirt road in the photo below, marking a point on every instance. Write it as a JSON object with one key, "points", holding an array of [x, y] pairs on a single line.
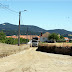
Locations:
{"points": [[34, 61]]}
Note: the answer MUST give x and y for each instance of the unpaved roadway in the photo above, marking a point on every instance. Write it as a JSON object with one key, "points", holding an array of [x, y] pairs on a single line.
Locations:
{"points": [[31, 60]]}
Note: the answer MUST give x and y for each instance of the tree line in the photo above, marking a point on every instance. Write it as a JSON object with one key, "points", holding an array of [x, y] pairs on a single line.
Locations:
{"points": [[4, 39]]}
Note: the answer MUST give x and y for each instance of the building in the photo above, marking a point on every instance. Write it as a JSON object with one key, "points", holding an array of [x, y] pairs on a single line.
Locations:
{"points": [[14, 36], [44, 37], [66, 39]]}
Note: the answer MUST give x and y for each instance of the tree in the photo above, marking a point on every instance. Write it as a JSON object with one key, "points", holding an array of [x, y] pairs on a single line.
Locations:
{"points": [[2, 35], [53, 36], [61, 37]]}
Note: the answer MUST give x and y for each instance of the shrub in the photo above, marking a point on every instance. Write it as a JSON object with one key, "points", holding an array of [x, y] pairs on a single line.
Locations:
{"points": [[2, 35], [3, 39], [9, 40]]}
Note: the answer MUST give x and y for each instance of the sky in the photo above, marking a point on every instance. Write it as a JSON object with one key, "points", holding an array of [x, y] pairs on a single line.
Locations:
{"points": [[46, 14]]}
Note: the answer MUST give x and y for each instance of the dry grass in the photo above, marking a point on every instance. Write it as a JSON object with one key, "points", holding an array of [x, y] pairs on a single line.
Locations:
{"points": [[60, 48], [6, 49], [56, 44]]}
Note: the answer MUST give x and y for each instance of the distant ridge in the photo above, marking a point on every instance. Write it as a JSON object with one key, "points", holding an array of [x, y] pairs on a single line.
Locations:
{"points": [[11, 29], [8, 26], [60, 31]]}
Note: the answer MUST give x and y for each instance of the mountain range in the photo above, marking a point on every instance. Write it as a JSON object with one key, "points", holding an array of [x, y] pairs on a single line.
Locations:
{"points": [[11, 29]]}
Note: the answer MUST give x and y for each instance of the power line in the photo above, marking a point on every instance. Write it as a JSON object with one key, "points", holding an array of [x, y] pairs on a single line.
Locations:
{"points": [[4, 7], [12, 10]]}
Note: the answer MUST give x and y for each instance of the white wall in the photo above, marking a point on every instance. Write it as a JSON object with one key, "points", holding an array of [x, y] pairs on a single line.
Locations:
{"points": [[43, 39]]}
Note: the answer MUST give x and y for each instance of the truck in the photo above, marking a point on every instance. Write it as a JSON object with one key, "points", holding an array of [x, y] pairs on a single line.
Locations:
{"points": [[35, 42]]}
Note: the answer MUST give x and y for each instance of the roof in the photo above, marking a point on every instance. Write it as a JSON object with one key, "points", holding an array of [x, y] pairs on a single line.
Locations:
{"points": [[24, 36], [66, 38], [12, 36], [46, 34]]}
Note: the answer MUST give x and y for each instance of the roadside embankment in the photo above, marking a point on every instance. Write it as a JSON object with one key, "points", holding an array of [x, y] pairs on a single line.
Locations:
{"points": [[59, 48], [6, 49]]}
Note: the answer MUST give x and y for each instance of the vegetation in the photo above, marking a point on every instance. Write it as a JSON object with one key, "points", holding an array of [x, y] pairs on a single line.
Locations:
{"points": [[61, 37], [3, 39], [60, 31], [53, 36], [70, 41], [11, 29]]}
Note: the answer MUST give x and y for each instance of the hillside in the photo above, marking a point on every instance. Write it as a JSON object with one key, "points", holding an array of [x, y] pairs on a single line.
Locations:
{"points": [[60, 31], [11, 29], [8, 26]]}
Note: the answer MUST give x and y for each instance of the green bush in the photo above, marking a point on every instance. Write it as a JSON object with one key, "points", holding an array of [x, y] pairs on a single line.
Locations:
{"points": [[3, 39], [15, 41], [23, 40], [2, 35], [9, 40], [70, 41]]}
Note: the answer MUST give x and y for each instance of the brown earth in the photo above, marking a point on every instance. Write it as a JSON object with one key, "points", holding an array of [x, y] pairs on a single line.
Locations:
{"points": [[60, 48], [7, 49], [31, 60]]}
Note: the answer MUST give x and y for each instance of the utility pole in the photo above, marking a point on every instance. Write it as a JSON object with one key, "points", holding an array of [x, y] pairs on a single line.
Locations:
{"points": [[30, 35], [27, 34], [19, 27], [19, 30]]}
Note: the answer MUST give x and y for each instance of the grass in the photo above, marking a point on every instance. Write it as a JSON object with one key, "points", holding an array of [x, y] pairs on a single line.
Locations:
{"points": [[56, 44], [60, 48], [6, 49]]}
